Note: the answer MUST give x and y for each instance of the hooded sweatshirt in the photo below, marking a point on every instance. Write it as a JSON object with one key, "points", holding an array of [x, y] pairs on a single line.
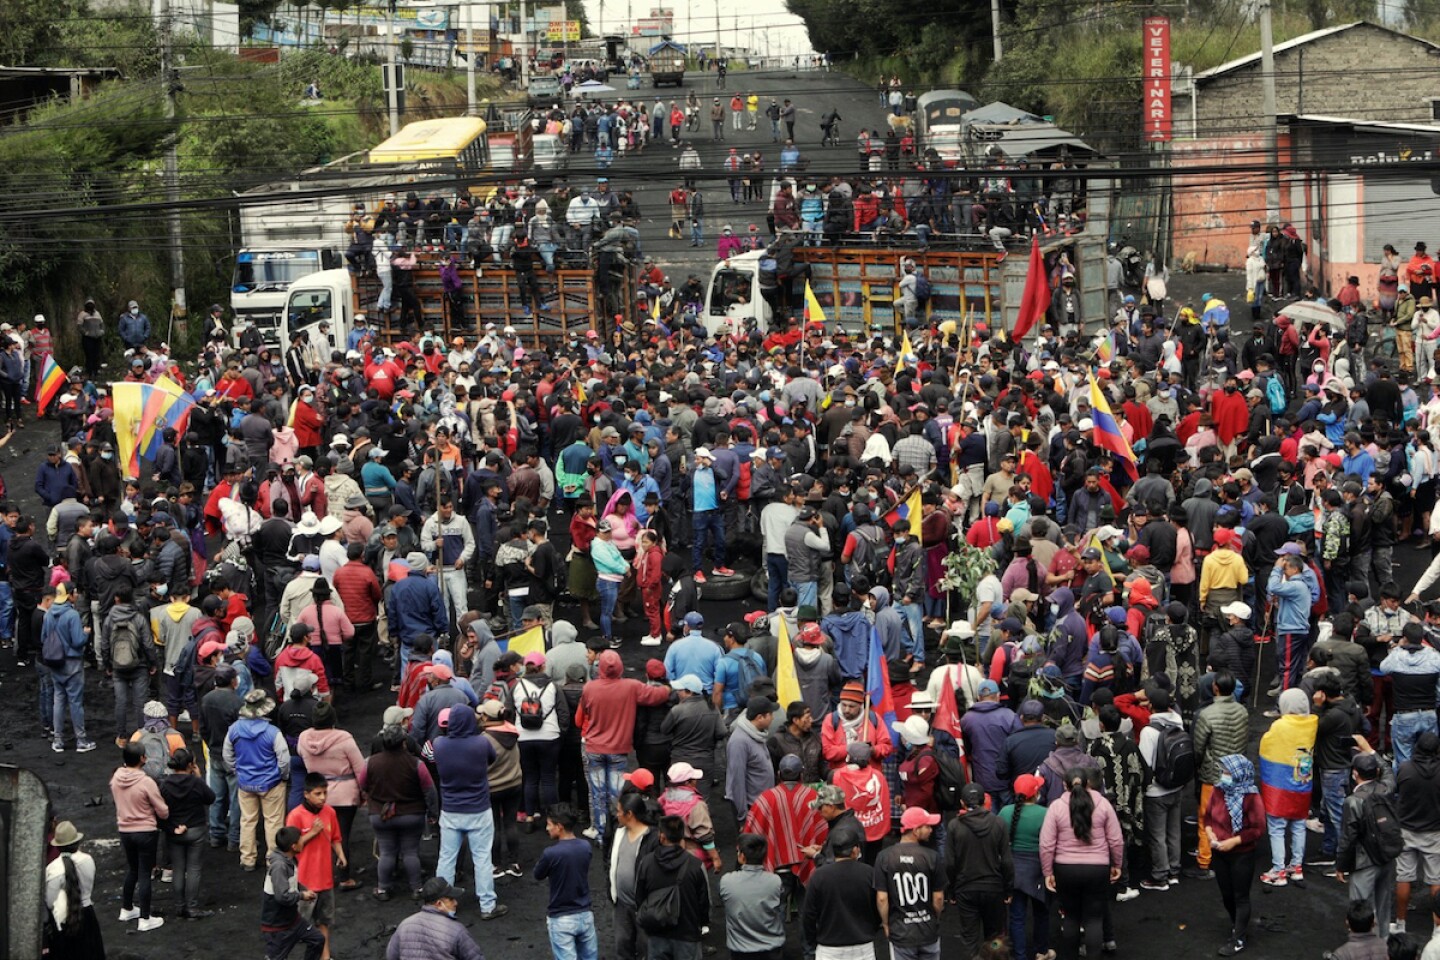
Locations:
{"points": [[1069, 651], [173, 624], [1222, 577], [256, 750], [1200, 510], [977, 854], [505, 772], [608, 705], [749, 771], [334, 754], [888, 625], [1417, 791], [462, 759], [138, 804], [850, 634]]}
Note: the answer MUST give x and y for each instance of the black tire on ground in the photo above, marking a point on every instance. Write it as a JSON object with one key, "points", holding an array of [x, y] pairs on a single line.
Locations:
{"points": [[760, 585], [734, 587]]}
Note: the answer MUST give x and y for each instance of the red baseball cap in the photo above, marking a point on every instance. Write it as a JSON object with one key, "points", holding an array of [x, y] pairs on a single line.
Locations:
{"points": [[916, 817], [642, 779]]}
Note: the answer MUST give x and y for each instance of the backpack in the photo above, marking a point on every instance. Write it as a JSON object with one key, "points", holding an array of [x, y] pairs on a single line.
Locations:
{"points": [[869, 556], [1275, 394], [660, 913], [531, 708], [746, 670], [1174, 756], [157, 753], [922, 286], [125, 645], [52, 648], [1380, 827], [950, 781], [1155, 621]]}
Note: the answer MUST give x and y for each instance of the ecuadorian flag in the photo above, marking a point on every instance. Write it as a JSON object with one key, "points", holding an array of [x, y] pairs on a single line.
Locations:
{"points": [[1287, 759]]}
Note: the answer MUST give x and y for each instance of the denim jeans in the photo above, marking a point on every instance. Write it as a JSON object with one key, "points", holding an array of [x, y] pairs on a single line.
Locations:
{"points": [[806, 593], [916, 625], [603, 773], [479, 830], [69, 683], [46, 679], [708, 527], [573, 937], [1405, 729], [1332, 800], [609, 591], [225, 811], [1279, 828], [131, 693], [777, 572], [7, 611]]}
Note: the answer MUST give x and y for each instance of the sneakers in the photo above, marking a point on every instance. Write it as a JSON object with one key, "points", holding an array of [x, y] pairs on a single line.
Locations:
{"points": [[724, 571], [495, 914], [615, 643], [167, 876], [590, 833], [127, 915], [1297, 874], [1126, 895], [1156, 885], [151, 923], [650, 641], [515, 871], [1231, 948], [58, 746], [497, 872], [1398, 926], [1275, 878], [1199, 873], [700, 576], [84, 746], [1322, 860]]}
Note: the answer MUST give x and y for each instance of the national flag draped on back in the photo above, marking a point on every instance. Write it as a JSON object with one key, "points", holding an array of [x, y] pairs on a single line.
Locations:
{"points": [[526, 642], [47, 388], [813, 310], [787, 683], [905, 350], [877, 686], [1107, 433], [1036, 299], [907, 509], [142, 413], [1287, 754], [1104, 560]]}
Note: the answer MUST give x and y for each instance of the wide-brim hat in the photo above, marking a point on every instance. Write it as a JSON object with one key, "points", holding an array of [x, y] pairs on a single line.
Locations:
{"points": [[257, 704]]}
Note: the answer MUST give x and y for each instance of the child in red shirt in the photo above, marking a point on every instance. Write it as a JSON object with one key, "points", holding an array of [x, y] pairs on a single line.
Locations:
{"points": [[319, 841], [649, 580]]}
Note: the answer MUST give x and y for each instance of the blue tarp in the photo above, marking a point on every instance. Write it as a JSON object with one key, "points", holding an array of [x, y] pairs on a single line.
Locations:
{"points": [[666, 45]]}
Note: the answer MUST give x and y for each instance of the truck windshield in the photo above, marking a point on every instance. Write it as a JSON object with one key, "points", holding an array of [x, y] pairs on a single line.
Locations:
{"points": [[256, 272], [729, 288], [309, 307]]}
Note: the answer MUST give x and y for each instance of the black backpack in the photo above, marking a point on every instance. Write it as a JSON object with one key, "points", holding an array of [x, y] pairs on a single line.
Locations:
{"points": [[125, 650], [1380, 827], [951, 780], [1174, 764], [922, 286], [660, 913], [531, 709]]}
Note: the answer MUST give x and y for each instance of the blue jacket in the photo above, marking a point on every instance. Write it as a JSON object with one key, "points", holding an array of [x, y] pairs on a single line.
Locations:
{"points": [[1069, 651], [54, 482], [65, 620], [134, 330], [462, 759], [414, 607], [850, 633], [260, 754], [985, 727], [1292, 606]]}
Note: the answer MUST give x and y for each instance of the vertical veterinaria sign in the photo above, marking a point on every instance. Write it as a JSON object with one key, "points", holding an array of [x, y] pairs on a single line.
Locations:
{"points": [[1157, 78]]}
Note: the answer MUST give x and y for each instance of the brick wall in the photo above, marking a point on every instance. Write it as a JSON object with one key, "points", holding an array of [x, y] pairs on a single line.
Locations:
{"points": [[1334, 76]]}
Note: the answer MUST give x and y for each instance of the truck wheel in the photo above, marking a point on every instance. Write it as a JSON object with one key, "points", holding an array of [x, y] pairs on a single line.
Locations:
{"points": [[760, 585], [716, 587]]}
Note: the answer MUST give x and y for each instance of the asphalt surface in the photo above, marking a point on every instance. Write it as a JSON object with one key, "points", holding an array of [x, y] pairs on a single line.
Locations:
{"points": [[1186, 922]]}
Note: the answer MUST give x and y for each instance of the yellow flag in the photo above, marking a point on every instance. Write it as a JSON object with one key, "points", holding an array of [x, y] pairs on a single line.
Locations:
{"points": [[1104, 560], [655, 309], [905, 351], [531, 641], [787, 685], [812, 305]]}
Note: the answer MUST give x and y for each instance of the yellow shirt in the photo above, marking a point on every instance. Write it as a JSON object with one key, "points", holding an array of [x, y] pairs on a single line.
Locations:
{"points": [[753, 104]]}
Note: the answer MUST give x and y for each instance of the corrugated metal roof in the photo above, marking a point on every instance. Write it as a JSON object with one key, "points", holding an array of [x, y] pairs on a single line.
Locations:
{"points": [[1300, 41]]}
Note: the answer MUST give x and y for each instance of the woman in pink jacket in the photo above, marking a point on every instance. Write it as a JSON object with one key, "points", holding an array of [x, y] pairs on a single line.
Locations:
{"points": [[139, 808], [1081, 851], [333, 753]]}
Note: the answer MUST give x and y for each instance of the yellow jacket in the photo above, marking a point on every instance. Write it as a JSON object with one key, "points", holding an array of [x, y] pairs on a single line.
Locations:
{"points": [[1223, 569]]}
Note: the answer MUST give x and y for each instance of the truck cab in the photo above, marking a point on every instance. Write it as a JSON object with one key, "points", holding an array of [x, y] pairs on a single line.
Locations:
{"points": [[264, 275], [732, 296], [324, 296]]}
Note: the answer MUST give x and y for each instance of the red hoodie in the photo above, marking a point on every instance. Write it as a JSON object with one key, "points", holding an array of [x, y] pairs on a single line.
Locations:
{"points": [[607, 707]]}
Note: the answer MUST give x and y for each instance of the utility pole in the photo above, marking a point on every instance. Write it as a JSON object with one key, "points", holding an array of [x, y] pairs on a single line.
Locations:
{"points": [[995, 26], [392, 92], [1267, 82], [171, 78], [524, 44], [471, 107]]}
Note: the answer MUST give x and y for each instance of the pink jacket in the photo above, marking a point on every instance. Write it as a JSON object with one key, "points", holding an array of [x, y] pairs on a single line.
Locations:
{"points": [[1058, 843], [1182, 571], [138, 804], [334, 754], [338, 627]]}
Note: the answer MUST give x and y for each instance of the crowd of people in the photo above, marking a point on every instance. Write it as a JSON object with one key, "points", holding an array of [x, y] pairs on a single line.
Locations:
{"points": [[1025, 608]]}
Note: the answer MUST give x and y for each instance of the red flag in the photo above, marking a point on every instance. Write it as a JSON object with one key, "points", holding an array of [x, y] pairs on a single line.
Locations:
{"points": [[1036, 299], [947, 711]]}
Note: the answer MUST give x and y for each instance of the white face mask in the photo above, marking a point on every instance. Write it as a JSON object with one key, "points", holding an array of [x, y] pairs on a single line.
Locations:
{"points": [[134, 311]]}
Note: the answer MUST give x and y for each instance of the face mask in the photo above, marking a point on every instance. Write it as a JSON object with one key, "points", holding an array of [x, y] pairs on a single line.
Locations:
{"points": [[1230, 389], [134, 311], [1226, 781], [162, 589], [107, 456], [1055, 609], [595, 420], [849, 403]]}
